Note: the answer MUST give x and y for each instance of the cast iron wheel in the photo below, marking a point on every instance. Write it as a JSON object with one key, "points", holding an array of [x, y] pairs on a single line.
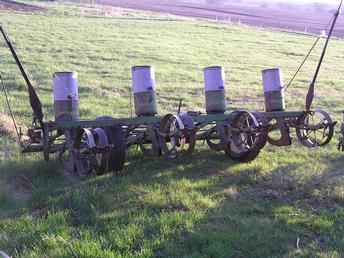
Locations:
{"points": [[174, 138], [78, 158], [117, 152], [247, 138], [315, 129]]}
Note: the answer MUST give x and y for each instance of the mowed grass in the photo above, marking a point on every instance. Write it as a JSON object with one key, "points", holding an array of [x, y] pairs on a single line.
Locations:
{"points": [[287, 203]]}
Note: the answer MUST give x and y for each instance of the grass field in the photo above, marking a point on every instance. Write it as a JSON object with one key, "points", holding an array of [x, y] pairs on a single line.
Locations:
{"points": [[287, 203]]}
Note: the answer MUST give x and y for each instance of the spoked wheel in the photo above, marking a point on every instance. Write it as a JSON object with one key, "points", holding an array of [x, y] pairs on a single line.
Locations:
{"points": [[175, 138], [94, 151], [117, 152], [315, 129], [247, 138], [80, 159]]}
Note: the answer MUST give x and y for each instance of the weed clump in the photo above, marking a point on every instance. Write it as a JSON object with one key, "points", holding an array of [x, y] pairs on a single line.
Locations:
{"points": [[7, 128]]}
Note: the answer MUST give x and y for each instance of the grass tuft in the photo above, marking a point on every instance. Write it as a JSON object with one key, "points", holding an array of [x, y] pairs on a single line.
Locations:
{"points": [[7, 128]]}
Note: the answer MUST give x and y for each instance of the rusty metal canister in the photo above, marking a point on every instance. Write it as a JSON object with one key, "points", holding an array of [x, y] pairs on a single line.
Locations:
{"points": [[214, 87], [273, 90], [66, 98], [143, 85]]}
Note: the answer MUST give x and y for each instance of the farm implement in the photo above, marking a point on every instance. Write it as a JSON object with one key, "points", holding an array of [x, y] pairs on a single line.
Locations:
{"points": [[100, 145]]}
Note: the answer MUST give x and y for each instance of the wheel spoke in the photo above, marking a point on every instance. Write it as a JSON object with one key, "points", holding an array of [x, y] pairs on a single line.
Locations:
{"points": [[316, 129]]}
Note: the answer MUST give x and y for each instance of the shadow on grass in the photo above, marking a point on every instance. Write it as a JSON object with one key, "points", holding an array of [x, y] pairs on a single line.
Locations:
{"points": [[270, 215], [204, 206]]}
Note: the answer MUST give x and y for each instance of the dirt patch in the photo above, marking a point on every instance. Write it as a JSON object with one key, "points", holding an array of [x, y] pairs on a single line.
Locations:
{"points": [[294, 18], [18, 6]]}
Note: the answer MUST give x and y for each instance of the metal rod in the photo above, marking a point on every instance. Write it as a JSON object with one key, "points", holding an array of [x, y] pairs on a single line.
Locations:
{"points": [[310, 94], [308, 54], [34, 100], [302, 64], [131, 102], [10, 108], [180, 105]]}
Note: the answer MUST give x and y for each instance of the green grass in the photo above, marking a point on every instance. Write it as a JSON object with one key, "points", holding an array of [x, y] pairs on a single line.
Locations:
{"points": [[204, 206]]}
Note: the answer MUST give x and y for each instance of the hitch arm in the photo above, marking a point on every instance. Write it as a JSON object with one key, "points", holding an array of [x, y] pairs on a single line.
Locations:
{"points": [[311, 89], [34, 99]]}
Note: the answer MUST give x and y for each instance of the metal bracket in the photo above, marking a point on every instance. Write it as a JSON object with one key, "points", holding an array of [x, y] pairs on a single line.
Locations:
{"points": [[285, 139]]}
